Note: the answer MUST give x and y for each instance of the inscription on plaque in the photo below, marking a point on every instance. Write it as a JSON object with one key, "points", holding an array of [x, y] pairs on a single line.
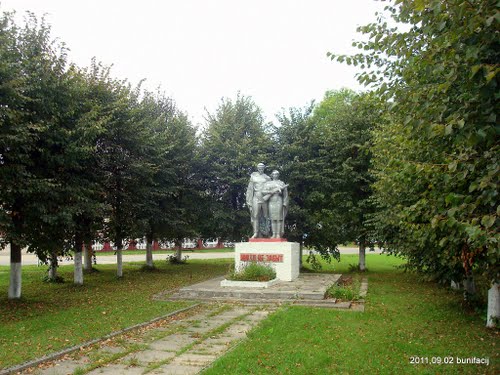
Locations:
{"points": [[270, 258]]}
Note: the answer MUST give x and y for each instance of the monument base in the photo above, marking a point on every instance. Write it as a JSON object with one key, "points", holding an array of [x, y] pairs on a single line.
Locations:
{"points": [[282, 256]]}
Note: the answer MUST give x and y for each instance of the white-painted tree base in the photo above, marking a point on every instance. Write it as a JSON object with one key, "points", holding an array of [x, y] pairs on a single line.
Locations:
{"points": [[149, 254], [493, 305], [362, 258], [78, 274], [15, 280], [455, 285], [119, 263]]}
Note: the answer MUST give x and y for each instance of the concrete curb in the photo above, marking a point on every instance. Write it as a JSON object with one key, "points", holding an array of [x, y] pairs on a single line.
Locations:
{"points": [[53, 356]]}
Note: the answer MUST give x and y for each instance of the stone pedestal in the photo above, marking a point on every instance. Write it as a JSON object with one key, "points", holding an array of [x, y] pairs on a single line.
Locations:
{"points": [[281, 255]]}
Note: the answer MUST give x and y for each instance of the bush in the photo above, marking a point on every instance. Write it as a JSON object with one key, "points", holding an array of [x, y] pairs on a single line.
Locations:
{"points": [[172, 259], [254, 272], [347, 289]]}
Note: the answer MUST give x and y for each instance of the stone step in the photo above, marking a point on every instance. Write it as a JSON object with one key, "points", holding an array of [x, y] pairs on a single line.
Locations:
{"points": [[246, 294]]}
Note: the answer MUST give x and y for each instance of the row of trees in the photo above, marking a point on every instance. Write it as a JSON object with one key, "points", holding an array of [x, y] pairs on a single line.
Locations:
{"points": [[86, 156], [412, 166], [83, 155], [436, 161]]}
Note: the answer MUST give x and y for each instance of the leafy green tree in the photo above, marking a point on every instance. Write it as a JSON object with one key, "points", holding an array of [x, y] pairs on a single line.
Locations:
{"points": [[326, 151], [438, 67], [294, 151], [235, 140], [122, 149], [16, 143], [341, 202], [169, 212], [83, 125], [38, 130]]}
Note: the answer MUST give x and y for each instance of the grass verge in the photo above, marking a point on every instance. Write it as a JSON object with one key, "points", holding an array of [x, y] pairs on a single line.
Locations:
{"points": [[51, 316], [407, 328]]}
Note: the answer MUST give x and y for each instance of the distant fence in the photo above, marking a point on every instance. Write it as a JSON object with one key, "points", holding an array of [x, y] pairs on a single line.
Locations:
{"points": [[187, 244]]}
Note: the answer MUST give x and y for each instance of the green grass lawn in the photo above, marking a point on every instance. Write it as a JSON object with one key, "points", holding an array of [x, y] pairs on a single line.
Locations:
{"points": [[54, 316], [405, 320]]}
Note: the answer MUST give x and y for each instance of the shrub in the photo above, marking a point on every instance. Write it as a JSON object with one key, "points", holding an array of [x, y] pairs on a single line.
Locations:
{"points": [[254, 272], [347, 289], [172, 259]]}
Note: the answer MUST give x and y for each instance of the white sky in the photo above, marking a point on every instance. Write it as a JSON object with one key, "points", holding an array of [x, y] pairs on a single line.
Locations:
{"points": [[199, 51]]}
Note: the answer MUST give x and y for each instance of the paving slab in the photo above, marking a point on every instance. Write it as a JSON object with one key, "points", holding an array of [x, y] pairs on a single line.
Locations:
{"points": [[193, 359], [176, 369], [117, 369], [148, 356], [212, 349], [305, 287], [172, 343], [61, 368]]}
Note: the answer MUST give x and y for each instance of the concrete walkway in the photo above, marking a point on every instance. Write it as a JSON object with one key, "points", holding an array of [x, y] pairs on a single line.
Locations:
{"points": [[183, 344]]}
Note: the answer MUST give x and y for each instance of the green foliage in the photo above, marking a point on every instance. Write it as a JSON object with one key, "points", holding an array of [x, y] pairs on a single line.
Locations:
{"points": [[313, 260], [169, 211], [86, 155], [173, 259], [57, 280], [253, 271], [293, 151], [233, 143], [325, 149], [347, 289], [436, 162]]}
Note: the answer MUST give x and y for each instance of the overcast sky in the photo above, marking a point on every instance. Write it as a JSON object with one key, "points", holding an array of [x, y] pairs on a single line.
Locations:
{"points": [[199, 51]]}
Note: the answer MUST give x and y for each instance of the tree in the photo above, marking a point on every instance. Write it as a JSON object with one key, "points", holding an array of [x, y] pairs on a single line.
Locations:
{"points": [[294, 152], [438, 68], [341, 203], [36, 127], [83, 126], [326, 149], [234, 142], [16, 143], [169, 212], [122, 159]]}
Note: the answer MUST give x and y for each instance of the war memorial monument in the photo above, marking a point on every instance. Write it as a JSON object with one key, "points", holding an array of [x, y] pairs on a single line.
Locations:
{"points": [[267, 200]]}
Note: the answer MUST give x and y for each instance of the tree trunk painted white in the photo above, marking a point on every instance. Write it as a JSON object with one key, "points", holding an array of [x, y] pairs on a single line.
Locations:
{"points": [[15, 271], [301, 249], [493, 306], [78, 274], [178, 253], [53, 267], [456, 285], [362, 257], [119, 261], [87, 257], [15, 279], [149, 254]]}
